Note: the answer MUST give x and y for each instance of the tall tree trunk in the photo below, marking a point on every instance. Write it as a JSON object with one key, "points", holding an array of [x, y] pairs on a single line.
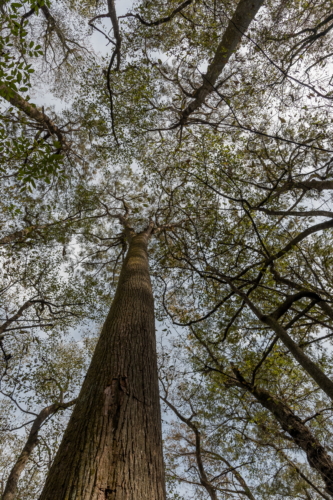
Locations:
{"points": [[112, 448]]}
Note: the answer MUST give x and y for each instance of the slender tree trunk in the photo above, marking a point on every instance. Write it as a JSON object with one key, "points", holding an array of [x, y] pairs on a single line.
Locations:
{"points": [[323, 381], [31, 443], [244, 14], [317, 456], [112, 448], [39, 116]]}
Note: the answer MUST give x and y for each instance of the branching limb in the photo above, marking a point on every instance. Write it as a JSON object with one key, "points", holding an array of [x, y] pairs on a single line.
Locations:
{"points": [[9, 321], [33, 112], [31, 443], [283, 308], [316, 454], [295, 213], [202, 473], [163, 19], [324, 382], [245, 13]]}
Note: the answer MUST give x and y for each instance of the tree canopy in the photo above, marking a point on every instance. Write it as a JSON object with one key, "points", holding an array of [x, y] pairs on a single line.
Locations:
{"points": [[210, 123]]}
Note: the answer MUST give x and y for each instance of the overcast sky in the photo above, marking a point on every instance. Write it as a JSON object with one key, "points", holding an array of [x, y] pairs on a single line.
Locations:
{"points": [[99, 43]]}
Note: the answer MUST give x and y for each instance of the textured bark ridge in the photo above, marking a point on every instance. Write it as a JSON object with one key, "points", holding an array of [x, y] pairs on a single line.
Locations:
{"points": [[112, 448]]}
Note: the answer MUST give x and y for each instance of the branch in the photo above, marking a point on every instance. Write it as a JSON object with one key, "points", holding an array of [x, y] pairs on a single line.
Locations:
{"points": [[325, 307], [116, 54], [31, 443], [307, 185], [245, 13], [292, 464], [22, 234], [309, 40], [33, 112], [215, 308], [310, 213], [317, 456], [301, 236], [234, 471], [202, 474], [116, 31], [324, 382], [264, 357], [170, 226], [19, 313], [52, 22], [283, 308], [163, 19]]}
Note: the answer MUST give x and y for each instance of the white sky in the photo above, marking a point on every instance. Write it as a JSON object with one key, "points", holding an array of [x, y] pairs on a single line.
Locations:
{"points": [[100, 45]]}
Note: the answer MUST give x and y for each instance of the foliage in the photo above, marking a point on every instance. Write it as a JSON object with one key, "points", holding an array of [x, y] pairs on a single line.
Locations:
{"points": [[237, 178]]}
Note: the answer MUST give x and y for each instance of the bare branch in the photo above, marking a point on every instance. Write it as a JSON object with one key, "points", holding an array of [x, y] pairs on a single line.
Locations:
{"points": [[163, 19]]}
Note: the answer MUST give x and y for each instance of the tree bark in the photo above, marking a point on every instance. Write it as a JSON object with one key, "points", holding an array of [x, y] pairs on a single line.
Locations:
{"points": [[112, 448]]}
